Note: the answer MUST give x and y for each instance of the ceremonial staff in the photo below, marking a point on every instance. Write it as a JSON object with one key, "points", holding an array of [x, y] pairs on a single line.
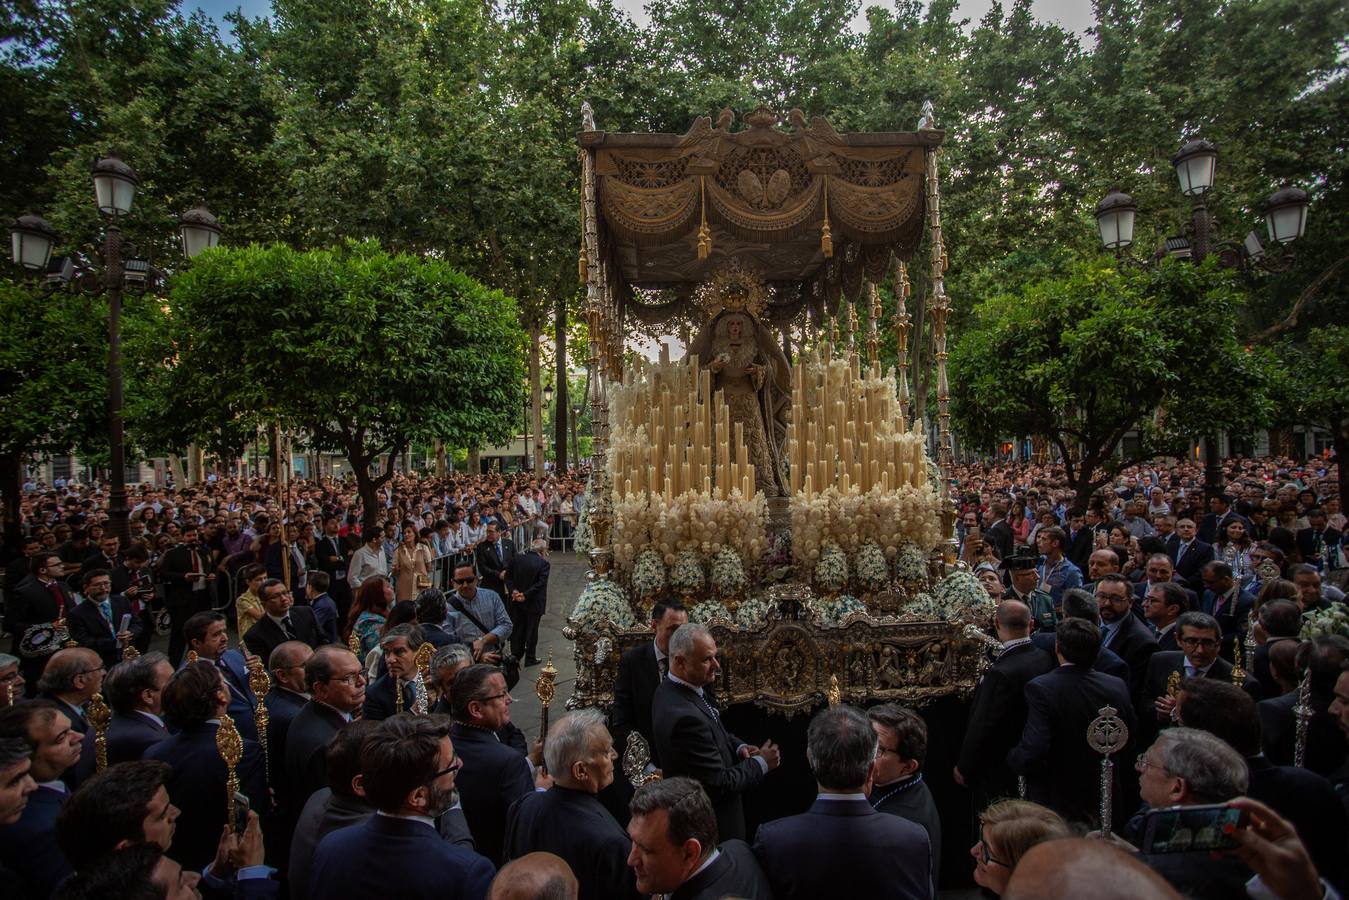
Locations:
{"points": [[98, 714], [260, 684], [546, 688], [1107, 734], [1303, 711], [231, 748], [421, 661]]}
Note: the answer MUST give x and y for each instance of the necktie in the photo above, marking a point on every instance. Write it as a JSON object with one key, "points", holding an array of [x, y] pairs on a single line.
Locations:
{"points": [[60, 598], [105, 607], [499, 557], [1180, 554], [287, 628], [664, 665]]}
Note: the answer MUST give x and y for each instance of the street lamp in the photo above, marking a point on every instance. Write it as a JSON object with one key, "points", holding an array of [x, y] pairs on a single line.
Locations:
{"points": [[1194, 164], [1115, 219], [32, 237], [547, 395], [1286, 214]]}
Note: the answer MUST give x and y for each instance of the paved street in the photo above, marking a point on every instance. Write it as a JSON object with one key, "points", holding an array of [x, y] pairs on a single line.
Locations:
{"points": [[565, 583]]}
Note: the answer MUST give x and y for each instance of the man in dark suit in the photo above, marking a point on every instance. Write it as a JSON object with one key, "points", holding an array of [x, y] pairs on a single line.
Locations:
{"points": [[208, 637], [332, 560], [842, 835], [187, 576], [1278, 621], [281, 621], [999, 534], [336, 685], [97, 622], [1191, 554], [1082, 538], [107, 556], [1060, 769], [132, 577], [399, 651], [566, 819], [1324, 751], [135, 690], [285, 562], [526, 598], [1121, 630], [1163, 605], [640, 670], [1198, 658], [690, 738], [493, 555], [408, 774], [40, 599], [286, 698], [898, 787], [1220, 513], [1159, 570], [998, 712], [674, 847], [330, 808], [28, 845], [1316, 540], [431, 612], [1079, 603], [1303, 797], [195, 695], [1225, 601], [324, 607]]}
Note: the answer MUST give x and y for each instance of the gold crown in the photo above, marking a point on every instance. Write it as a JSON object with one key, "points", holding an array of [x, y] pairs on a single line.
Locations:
{"points": [[733, 288]]}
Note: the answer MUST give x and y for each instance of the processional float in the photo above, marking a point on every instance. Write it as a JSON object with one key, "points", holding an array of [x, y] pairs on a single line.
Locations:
{"points": [[774, 478]]}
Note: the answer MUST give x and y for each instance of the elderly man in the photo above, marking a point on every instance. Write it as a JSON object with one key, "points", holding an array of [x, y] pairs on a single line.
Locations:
{"points": [[1190, 554], [135, 691], [448, 662], [72, 677], [382, 699], [690, 738], [532, 876], [286, 698], [842, 837], [281, 621], [11, 680], [1313, 593], [28, 846], [566, 819], [674, 847], [336, 684]]}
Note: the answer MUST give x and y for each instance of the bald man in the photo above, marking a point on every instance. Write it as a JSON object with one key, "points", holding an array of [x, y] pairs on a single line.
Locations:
{"points": [[1083, 867], [72, 676], [534, 875]]}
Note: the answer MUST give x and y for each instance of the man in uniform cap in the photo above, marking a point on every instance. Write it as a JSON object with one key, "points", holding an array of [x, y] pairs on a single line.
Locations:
{"points": [[1024, 570]]}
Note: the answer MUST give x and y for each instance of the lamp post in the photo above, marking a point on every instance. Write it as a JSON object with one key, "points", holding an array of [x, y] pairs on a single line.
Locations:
{"points": [[1285, 214], [32, 239]]}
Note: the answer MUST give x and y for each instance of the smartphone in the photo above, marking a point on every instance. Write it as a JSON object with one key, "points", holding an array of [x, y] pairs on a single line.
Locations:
{"points": [[1190, 829], [241, 807]]}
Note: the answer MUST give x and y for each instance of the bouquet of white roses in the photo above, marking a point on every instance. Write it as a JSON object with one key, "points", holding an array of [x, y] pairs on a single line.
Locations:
{"points": [[925, 607], [728, 573], [872, 571], [1325, 622], [831, 571], [831, 613], [687, 574], [603, 601], [648, 575], [706, 610], [751, 613], [910, 564], [961, 595]]}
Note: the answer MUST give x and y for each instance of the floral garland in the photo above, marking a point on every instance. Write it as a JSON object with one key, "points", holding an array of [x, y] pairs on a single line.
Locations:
{"points": [[603, 601], [728, 573], [910, 564], [831, 613], [648, 576], [888, 518], [961, 595], [687, 574], [831, 571], [873, 573], [705, 611], [1325, 622]]}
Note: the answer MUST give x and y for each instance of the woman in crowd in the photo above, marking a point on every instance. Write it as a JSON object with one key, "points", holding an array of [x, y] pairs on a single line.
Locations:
{"points": [[368, 614], [473, 529], [1020, 522], [1007, 831], [1234, 548], [411, 564], [248, 606]]}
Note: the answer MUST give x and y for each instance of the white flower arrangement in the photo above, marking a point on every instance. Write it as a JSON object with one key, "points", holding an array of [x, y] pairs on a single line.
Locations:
{"points": [[925, 607], [585, 540], [728, 573], [831, 613], [889, 518], [751, 613], [873, 573], [910, 564], [648, 575], [603, 601], [961, 595], [706, 610], [687, 574], [831, 569], [1325, 622]]}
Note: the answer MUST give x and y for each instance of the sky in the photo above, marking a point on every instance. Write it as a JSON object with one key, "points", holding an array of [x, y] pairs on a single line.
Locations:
{"points": [[1074, 15]]}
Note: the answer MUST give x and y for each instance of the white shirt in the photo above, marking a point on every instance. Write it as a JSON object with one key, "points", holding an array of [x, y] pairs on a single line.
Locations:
{"points": [[152, 717], [365, 563], [857, 795], [425, 820]]}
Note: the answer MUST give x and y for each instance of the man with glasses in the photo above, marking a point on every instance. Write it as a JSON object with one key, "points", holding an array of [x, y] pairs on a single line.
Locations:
{"points": [[1199, 637], [97, 622], [135, 691], [899, 788], [1121, 630], [71, 678], [336, 685], [469, 602], [408, 772]]}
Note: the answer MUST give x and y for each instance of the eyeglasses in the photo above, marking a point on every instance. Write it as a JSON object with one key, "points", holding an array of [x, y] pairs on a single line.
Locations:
{"points": [[495, 697], [881, 751], [464, 580], [455, 765], [1143, 763], [1206, 643], [351, 680], [987, 854], [92, 671]]}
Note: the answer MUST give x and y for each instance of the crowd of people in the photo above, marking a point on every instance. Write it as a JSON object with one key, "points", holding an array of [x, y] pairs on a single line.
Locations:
{"points": [[374, 775]]}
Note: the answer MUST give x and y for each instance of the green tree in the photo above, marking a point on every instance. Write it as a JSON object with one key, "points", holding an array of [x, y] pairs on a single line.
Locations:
{"points": [[365, 351], [1314, 390], [1086, 358]]}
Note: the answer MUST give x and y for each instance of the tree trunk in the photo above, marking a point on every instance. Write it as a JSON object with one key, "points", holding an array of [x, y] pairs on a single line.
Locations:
{"points": [[276, 459], [1213, 469], [563, 409], [11, 491], [536, 396], [440, 459], [474, 460]]}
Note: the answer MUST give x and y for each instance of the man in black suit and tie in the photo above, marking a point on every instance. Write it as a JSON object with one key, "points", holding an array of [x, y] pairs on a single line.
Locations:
{"points": [[208, 637], [1197, 658], [1220, 513], [187, 576], [195, 699], [526, 599], [1225, 601], [1121, 630], [336, 684], [1316, 540], [40, 599], [640, 670], [408, 773], [998, 712], [567, 819], [495, 775], [132, 577], [690, 738], [1163, 605], [28, 847], [135, 691], [330, 808], [399, 645], [1159, 570], [97, 622], [281, 621], [1079, 603], [1191, 554], [674, 847], [107, 556], [332, 559], [286, 698], [1060, 769], [842, 836], [493, 555], [1278, 620]]}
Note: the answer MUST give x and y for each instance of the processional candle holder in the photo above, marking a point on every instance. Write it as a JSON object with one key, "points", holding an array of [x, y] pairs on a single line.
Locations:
{"points": [[260, 684], [421, 661], [98, 714], [1303, 711], [545, 688], [1107, 734], [637, 759], [129, 652], [231, 748]]}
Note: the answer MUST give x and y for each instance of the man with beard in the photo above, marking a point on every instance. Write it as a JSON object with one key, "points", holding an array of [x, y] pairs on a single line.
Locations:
{"points": [[408, 769]]}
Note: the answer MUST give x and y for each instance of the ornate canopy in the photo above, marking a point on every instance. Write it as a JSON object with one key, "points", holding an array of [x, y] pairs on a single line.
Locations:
{"points": [[815, 212]]}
